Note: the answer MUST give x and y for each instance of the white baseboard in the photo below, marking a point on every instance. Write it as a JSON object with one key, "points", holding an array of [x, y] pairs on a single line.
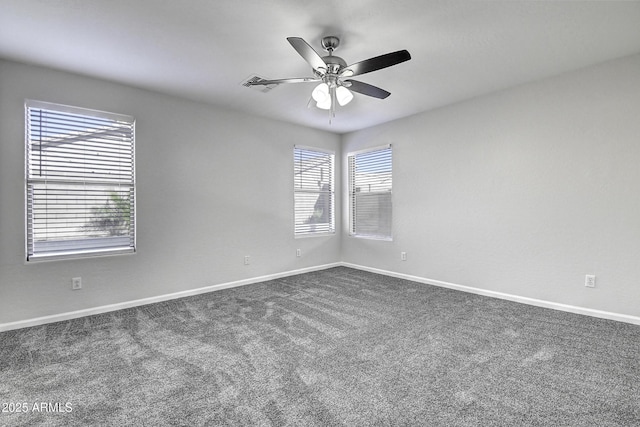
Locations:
{"points": [[510, 297], [136, 303]]}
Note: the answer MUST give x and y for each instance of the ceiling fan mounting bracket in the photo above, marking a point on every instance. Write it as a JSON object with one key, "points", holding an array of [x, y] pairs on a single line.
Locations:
{"points": [[330, 43]]}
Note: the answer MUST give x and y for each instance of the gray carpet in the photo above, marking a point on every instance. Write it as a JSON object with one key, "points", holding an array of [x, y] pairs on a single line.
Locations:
{"points": [[335, 347]]}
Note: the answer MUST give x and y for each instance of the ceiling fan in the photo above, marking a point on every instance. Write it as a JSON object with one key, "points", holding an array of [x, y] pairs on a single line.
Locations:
{"points": [[334, 74]]}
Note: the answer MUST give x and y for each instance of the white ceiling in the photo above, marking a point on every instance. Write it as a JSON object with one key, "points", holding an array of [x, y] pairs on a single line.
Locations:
{"points": [[204, 49]]}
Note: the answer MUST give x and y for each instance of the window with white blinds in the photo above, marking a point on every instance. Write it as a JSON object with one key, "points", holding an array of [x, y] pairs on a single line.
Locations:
{"points": [[80, 182], [313, 180], [370, 185]]}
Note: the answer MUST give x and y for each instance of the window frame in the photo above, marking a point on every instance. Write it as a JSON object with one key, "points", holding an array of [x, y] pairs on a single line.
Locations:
{"points": [[71, 179], [352, 195], [332, 194]]}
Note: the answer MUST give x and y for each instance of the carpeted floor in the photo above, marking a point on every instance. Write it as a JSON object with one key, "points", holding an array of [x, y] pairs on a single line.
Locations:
{"points": [[335, 347]]}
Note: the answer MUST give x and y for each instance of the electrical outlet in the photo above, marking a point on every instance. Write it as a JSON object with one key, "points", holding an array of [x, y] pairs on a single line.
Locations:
{"points": [[246, 259], [298, 252], [590, 281], [403, 256], [76, 283]]}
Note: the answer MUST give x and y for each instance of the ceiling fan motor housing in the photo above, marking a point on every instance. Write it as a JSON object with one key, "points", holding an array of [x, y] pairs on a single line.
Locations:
{"points": [[334, 63]]}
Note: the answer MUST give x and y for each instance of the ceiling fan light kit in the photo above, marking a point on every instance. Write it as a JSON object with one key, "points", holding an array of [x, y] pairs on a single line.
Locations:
{"points": [[334, 74]]}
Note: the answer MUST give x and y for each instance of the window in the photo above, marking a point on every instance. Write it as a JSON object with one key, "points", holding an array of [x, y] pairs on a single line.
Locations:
{"points": [[370, 183], [80, 182], [313, 191]]}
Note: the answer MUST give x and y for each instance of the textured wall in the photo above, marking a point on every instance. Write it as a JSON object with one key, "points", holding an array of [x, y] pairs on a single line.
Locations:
{"points": [[522, 192], [212, 186]]}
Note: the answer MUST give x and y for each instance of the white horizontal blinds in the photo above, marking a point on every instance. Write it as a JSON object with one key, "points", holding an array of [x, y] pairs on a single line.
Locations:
{"points": [[370, 185], [313, 191], [80, 182]]}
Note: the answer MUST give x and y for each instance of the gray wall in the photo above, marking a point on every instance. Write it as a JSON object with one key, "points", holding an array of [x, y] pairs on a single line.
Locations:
{"points": [[212, 186], [521, 192]]}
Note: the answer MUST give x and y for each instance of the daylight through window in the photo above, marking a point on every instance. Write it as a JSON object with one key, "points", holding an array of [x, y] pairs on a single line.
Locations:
{"points": [[80, 182], [370, 184], [313, 191]]}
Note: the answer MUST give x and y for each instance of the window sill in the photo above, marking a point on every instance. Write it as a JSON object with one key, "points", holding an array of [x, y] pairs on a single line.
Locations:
{"points": [[308, 235], [71, 255], [380, 238]]}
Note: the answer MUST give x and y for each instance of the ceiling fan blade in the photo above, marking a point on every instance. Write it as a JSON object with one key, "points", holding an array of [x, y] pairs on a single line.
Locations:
{"points": [[279, 81], [367, 89], [307, 52], [376, 63]]}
